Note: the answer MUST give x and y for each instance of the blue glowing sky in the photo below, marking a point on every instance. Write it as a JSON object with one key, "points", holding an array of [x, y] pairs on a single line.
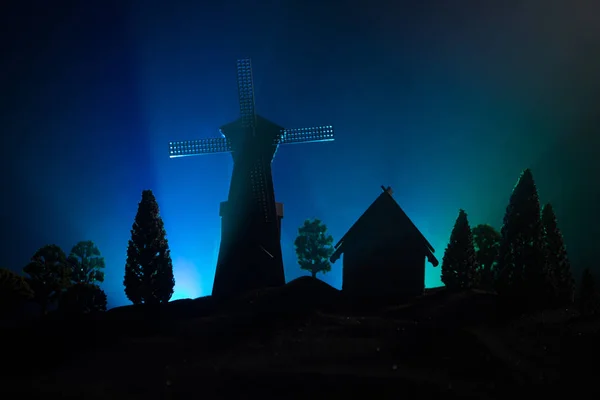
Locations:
{"points": [[446, 104]]}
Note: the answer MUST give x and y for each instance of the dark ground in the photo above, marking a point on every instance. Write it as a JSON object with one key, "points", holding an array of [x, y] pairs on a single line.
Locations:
{"points": [[302, 341]]}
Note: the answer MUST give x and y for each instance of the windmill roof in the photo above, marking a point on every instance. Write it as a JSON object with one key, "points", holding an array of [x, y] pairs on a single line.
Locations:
{"points": [[260, 122], [384, 200]]}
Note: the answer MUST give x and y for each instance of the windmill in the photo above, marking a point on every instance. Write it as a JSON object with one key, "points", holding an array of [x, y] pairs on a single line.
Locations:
{"points": [[250, 251]]}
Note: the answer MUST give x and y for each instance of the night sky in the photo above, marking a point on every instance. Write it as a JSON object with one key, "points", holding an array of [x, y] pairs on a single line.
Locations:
{"points": [[444, 103]]}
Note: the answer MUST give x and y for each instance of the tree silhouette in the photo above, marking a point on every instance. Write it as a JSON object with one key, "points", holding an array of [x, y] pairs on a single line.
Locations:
{"points": [[148, 269], [588, 298], [14, 290], [521, 262], [49, 274], [83, 298], [87, 263], [314, 247], [558, 267], [459, 266], [486, 241]]}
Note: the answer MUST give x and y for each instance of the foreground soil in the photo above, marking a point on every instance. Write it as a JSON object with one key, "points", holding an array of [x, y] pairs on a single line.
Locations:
{"points": [[303, 340]]}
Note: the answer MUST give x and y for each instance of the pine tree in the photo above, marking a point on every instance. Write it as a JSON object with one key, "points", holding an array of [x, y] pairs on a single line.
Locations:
{"points": [[314, 247], [588, 294], [486, 241], [521, 263], [14, 290], [148, 269], [459, 266], [49, 274], [83, 298], [558, 267], [87, 263]]}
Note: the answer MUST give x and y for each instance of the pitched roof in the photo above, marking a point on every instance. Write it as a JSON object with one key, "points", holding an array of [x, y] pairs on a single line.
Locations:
{"points": [[385, 199], [259, 122]]}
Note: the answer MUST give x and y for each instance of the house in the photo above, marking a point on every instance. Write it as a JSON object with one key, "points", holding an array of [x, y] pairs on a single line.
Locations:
{"points": [[384, 252]]}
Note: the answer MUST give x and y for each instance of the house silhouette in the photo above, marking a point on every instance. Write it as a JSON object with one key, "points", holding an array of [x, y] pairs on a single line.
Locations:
{"points": [[384, 252]]}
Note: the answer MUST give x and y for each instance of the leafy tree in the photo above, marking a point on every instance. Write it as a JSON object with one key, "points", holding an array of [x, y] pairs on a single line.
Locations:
{"points": [[521, 262], [49, 274], [14, 290], [314, 247], [486, 241], [459, 265], [148, 269], [558, 267], [588, 298], [87, 263], [83, 298]]}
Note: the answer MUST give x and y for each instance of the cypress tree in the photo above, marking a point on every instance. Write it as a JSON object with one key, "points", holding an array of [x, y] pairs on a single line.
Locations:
{"points": [[148, 269], [558, 267], [521, 262], [459, 265]]}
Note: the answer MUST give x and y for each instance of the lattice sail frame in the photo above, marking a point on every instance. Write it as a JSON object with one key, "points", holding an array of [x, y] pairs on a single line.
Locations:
{"points": [[259, 189], [185, 148], [258, 175], [306, 135], [245, 85]]}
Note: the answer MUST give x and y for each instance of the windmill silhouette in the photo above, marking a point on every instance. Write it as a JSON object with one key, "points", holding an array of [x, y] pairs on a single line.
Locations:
{"points": [[250, 251]]}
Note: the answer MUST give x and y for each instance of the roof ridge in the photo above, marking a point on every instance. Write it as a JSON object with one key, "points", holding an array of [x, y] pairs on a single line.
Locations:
{"points": [[386, 191]]}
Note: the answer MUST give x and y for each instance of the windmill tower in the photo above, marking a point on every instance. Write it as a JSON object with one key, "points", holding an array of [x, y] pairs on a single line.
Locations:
{"points": [[250, 250]]}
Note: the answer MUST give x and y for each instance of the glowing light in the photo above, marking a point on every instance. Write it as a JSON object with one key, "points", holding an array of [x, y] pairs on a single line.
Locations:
{"points": [[187, 280]]}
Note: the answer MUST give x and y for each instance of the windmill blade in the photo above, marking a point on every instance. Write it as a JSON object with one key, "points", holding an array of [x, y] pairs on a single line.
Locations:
{"points": [[198, 147], [307, 135], [259, 189], [246, 93]]}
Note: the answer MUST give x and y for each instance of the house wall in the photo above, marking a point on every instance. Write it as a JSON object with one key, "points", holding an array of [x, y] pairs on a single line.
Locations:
{"points": [[384, 264]]}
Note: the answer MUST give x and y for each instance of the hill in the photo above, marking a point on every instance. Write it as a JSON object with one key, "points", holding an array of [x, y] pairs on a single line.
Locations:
{"points": [[301, 340]]}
